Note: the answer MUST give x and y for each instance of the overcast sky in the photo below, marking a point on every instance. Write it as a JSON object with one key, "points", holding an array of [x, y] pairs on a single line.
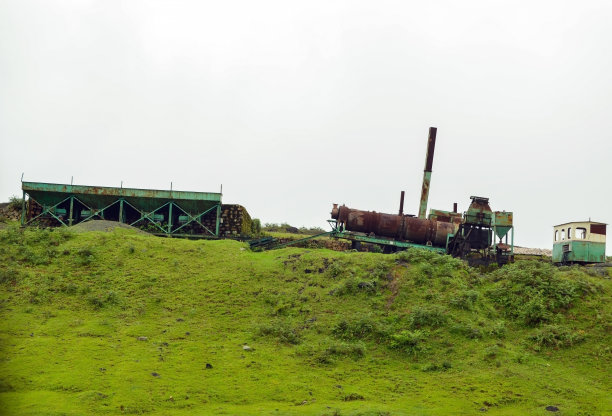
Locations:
{"points": [[293, 106]]}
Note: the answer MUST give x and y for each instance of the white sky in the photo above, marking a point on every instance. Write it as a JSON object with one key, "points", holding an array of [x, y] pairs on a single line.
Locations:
{"points": [[293, 106]]}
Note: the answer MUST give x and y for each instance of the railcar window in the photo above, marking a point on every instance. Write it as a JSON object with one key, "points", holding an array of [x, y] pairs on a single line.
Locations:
{"points": [[580, 233], [563, 234], [569, 233], [556, 235]]}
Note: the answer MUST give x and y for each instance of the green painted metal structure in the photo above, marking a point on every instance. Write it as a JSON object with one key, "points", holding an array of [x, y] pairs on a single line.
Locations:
{"points": [[582, 242], [168, 212], [579, 252]]}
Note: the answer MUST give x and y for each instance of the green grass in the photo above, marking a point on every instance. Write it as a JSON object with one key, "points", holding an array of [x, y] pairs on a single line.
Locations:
{"points": [[330, 333]]}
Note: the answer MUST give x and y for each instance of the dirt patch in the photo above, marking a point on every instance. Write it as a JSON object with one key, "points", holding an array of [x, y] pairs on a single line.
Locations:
{"points": [[102, 225]]}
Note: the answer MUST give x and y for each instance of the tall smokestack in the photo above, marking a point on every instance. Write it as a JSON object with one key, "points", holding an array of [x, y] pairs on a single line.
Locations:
{"points": [[401, 210], [431, 144]]}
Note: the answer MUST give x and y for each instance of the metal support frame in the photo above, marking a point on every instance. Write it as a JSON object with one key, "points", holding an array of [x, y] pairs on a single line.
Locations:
{"points": [[122, 203], [197, 219], [46, 210]]}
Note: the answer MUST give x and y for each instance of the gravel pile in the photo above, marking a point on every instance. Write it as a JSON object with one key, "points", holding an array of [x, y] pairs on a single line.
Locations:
{"points": [[533, 251], [102, 225]]}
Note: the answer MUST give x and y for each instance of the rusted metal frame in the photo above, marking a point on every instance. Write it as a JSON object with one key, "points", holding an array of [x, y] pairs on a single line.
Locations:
{"points": [[336, 227], [383, 241], [98, 212], [47, 211], [197, 217]]}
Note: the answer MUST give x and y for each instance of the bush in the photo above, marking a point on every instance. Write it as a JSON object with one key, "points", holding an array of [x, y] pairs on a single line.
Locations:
{"points": [[15, 203], [555, 336], [353, 285], [84, 257], [410, 342], [427, 317], [100, 301], [355, 350], [282, 331], [8, 275], [467, 331], [498, 330], [255, 226], [533, 291], [360, 328], [446, 365], [465, 300]]}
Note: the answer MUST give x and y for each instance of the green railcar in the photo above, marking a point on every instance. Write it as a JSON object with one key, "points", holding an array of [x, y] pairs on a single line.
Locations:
{"points": [[580, 242]]}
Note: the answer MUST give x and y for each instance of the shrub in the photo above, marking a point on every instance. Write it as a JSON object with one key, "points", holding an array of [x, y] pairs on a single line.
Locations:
{"points": [[85, 256], [353, 396], [446, 365], [555, 336], [360, 328], [466, 330], [256, 226], [465, 300], [100, 301], [335, 269], [410, 342], [15, 203], [354, 350], [533, 291], [498, 330], [432, 316], [282, 331], [353, 285], [8, 275]]}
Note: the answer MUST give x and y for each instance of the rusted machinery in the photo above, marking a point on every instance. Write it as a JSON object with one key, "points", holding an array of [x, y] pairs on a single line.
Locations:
{"points": [[401, 227], [472, 235]]}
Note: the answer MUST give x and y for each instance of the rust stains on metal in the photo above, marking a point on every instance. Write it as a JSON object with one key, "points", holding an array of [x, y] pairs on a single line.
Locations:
{"points": [[403, 227], [431, 145]]}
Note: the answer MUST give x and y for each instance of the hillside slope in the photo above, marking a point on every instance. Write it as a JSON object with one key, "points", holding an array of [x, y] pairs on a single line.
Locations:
{"points": [[123, 323]]}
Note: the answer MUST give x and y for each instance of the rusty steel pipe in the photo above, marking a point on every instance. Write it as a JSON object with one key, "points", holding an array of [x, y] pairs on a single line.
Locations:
{"points": [[402, 227], [401, 210]]}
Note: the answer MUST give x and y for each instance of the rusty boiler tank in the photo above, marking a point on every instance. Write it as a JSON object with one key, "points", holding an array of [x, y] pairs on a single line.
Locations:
{"points": [[394, 226]]}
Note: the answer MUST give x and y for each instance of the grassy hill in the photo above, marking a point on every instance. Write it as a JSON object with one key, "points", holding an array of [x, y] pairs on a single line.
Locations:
{"points": [[123, 323]]}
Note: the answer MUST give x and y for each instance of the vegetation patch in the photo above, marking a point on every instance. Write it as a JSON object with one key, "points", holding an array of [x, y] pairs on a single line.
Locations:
{"points": [[121, 322]]}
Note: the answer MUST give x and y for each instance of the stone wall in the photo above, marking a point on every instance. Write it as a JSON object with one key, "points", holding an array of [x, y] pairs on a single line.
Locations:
{"points": [[235, 221]]}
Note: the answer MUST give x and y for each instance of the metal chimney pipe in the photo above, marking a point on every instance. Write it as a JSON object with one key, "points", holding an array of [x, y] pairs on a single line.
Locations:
{"points": [[431, 144], [401, 210], [454, 207]]}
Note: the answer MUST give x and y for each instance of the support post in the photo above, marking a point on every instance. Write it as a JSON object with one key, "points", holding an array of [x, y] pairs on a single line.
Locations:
{"points": [[218, 220], [23, 207], [170, 216], [121, 210], [431, 144], [70, 215]]}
